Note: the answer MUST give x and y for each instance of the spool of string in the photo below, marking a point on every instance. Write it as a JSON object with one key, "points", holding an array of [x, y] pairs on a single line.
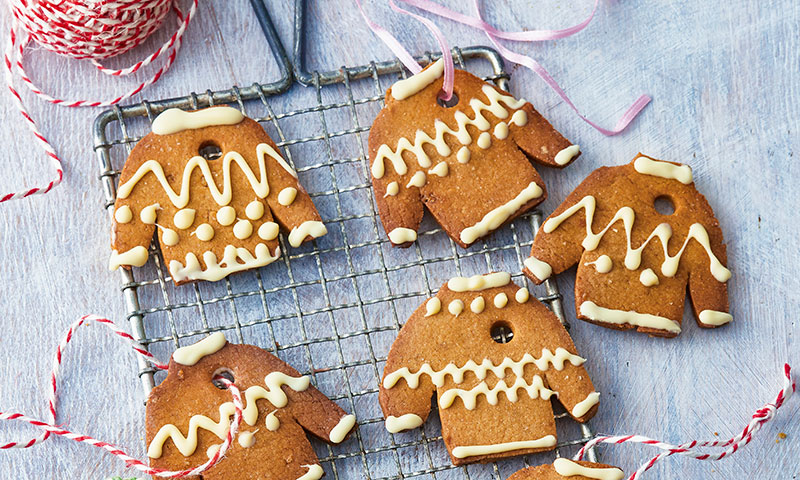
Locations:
{"points": [[93, 31]]}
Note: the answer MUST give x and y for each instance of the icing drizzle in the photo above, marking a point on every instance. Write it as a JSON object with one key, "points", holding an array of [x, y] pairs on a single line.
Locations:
{"points": [[535, 389], [567, 468]]}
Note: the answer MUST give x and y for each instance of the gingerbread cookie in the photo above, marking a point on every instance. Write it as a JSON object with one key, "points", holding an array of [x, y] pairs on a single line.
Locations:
{"points": [[483, 387], [188, 416], [216, 215], [635, 262], [469, 164], [574, 470]]}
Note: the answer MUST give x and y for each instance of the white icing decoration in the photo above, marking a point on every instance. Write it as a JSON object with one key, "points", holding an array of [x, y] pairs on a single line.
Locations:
{"points": [[543, 363], [419, 179], [633, 257], [540, 269], [135, 257], [565, 156], [309, 228], [148, 214], [455, 307], [314, 472], [501, 130], [477, 283], [522, 295], [340, 431], [268, 231], [402, 235], [477, 305], [648, 277], [438, 141], [600, 314], [407, 87], [246, 439], [484, 140], [658, 168], [499, 215], [463, 155], [433, 306], [520, 118], [403, 422], [500, 300], [273, 394], [392, 189], [568, 468], [585, 405], [204, 232], [271, 422], [243, 229], [480, 450], [255, 209], [123, 214], [191, 354], [535, 389], [169, 237], [713, 317], [602, 264], [184, 218], [226, 216], [233, 260], [212, 450], [287, 195], [441, 169], [175, 120]]}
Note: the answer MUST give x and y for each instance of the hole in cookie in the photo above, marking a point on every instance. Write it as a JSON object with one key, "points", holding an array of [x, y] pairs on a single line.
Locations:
{"points": [[449, 103], [663, 205], [501, 332], [210, 151], [222, 373]]}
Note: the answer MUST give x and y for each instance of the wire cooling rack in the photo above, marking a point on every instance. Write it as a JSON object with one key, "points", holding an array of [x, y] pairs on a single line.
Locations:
{"points": [[330, 308]]}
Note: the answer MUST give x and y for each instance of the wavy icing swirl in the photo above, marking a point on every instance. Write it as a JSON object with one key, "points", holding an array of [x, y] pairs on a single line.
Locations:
{"points": [[535, 389], [633, 256]]}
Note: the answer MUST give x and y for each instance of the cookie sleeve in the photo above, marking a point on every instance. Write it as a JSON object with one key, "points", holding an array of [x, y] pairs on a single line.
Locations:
{"points": [[575, 389], [707, 290], [405, 395], [540, 141], [319, 415]]}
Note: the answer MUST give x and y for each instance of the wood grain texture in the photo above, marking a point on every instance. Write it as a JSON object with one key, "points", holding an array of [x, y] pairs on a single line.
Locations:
{"points": [[724, 78]]}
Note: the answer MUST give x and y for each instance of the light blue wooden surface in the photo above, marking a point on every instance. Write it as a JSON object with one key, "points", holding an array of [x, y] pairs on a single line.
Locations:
{"points": [[724, 78]]}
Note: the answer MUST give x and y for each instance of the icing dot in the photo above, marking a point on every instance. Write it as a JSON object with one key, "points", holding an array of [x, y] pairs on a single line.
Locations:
{"points": [[418, 180], [441, 169], [254, 210], [477, 305], [246, 439], [603, 264], [272, 421], [148, 214], [648, 277], [287, 196], [392, 189], [123, 214], [456, 307], [204, 232], [268, 231], [522, 295], [432, 306], [463, 155], [169, 237], [500, 300], [485, 140], [212, 450], [520, 118], [243, 229], [226, 216], [184, 218], [501, 130]]}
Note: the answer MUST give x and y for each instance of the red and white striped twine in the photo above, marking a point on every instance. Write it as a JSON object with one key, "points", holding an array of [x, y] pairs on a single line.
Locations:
{"points": [[50, 427], [697, 449], [86, 30]]}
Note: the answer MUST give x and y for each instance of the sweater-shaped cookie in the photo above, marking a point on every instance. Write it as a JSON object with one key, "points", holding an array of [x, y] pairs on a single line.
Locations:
{"points": [[573, 470], [469, 164], [188, 417], [493, 398], [634, 263], [215, 216]]}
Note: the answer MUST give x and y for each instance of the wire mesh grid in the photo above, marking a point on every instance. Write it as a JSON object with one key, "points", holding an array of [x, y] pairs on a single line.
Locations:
{"points": [[330, 308]]}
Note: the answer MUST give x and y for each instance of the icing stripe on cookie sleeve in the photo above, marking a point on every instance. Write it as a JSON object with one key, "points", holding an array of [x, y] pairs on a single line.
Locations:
{"points": [[539, 269], [499, 215], [712, 317], [412, 85], [477, 283], [311, 228], [135, 257], [175, 120], [585, 405], [314, 472], [401, 235], [566, 155], [340, 431], [594, 312], [191, 354], [480, 450], [658, 168], [403, 422], [568, 468], [233, 260]]}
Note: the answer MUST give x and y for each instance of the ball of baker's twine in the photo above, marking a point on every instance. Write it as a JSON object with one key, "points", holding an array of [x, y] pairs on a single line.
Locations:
{"points": [[91, 30]]}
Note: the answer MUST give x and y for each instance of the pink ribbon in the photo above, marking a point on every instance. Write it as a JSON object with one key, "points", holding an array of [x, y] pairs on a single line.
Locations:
{"points": [[532, 36]]}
